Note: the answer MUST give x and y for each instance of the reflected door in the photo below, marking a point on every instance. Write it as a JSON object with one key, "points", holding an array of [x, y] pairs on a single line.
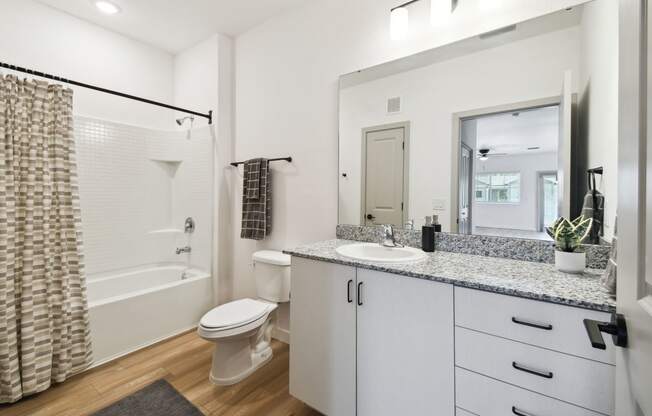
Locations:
{"points": [[548, 197], [383, 176], [466, 173]]}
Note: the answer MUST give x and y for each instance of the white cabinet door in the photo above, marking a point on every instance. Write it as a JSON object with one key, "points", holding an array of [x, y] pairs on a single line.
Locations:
{"points": [[322, 339], [405, 346]]}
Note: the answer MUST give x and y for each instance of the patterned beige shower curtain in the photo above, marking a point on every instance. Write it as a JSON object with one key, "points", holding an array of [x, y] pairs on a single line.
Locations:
{"points": [[44, 330]]}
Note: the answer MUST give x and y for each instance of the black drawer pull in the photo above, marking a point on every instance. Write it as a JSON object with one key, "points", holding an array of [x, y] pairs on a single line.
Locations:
{"points": [[360, 293], [348, 291], [520, 412], [531, 324], [544, 374]]}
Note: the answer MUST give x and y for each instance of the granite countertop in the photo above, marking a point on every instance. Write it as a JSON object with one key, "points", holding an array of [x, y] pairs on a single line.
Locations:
{"points": [[538, 281]]}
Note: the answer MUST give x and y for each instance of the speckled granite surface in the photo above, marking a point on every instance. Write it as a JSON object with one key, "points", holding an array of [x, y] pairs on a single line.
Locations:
{"points": [[504, 247], [539, 281]]}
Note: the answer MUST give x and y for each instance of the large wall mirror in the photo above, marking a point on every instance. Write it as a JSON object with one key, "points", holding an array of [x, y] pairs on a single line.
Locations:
{"points": [[498, 134]]}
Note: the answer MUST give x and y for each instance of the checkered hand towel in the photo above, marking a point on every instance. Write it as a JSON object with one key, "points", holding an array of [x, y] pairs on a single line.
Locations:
{"points": [[256, 200]]}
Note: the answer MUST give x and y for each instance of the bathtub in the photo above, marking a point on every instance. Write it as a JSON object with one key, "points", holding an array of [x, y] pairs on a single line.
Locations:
{"points": [[134, 309]]}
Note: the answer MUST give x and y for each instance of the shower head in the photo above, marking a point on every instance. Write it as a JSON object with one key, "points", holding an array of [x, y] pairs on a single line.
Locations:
{"points": [[182, 120]]}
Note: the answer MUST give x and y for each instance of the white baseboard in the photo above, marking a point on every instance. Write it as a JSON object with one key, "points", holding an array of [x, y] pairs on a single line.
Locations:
{"points": [[281, 334]]}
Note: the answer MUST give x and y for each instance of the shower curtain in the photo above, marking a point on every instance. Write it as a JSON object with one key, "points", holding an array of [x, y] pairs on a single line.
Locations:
{"points": [[44, 326]]}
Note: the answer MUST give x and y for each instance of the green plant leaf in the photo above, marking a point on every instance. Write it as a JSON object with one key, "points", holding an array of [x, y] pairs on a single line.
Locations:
{"points": [[569, 235]]}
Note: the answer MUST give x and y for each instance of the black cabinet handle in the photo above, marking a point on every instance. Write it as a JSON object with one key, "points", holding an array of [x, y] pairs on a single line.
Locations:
{"points": [[360, 293], [617, 328], [520, 412], [348, 291], [531, 324], [544, 374], [370, 217]]}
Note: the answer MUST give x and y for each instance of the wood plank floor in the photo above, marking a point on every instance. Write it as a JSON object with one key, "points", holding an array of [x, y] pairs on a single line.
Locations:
{"points": [[183, 361]]}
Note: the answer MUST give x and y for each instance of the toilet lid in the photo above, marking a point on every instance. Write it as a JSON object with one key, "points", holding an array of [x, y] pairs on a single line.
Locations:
{"points": [[236, 313], [272, 257]]}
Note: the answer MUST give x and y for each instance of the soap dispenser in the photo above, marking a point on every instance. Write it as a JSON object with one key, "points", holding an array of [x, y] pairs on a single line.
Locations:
{"points": [[436, 224], [428, 236]]}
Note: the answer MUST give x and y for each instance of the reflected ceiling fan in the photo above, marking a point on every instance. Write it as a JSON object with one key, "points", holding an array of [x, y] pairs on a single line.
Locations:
{"points": [[483, 154]]}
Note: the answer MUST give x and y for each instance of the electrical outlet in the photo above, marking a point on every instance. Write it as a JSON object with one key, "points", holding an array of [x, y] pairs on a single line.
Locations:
{"points": [[439, 205]]}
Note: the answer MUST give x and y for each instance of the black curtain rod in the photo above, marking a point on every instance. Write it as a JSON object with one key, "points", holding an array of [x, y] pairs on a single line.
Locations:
{"points": [[403, 5], [287, 159], [208, 116]]}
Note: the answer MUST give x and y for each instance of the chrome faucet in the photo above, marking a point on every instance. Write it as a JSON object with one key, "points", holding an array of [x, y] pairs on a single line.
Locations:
{"points": [[409, 225], [388, 237], [185, 249]]}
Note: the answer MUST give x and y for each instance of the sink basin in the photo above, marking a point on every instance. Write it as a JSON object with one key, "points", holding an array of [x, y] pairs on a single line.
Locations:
{"points": [[377, 253]]}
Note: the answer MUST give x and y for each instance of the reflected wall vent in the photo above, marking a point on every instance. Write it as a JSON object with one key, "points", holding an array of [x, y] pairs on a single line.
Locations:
{"points": [[394, 105]]}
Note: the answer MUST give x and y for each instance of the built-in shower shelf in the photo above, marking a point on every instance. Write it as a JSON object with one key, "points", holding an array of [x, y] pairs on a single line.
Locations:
{"points": [[165, 160], [166, 231]]}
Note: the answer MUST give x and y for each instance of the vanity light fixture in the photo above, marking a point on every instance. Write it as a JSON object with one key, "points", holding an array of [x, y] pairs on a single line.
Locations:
{"points": [[440, 11], [107, 7]]}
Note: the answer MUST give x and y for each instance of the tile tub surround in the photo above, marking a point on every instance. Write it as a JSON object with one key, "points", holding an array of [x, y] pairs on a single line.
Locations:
{"points": [[482, 245], [532, 280]]}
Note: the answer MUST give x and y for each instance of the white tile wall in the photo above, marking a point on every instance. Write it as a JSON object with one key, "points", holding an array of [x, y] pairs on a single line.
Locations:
{"points": [[125, 194]]}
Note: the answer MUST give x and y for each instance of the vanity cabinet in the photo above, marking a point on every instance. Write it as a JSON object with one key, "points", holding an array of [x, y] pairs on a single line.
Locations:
{"points": [[370, 343], [323, 336], [405, 346], [528, 357], [403, 359]]}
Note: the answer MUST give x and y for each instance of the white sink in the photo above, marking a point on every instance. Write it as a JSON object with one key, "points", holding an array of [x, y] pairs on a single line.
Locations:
{"points": [[377, 253]]}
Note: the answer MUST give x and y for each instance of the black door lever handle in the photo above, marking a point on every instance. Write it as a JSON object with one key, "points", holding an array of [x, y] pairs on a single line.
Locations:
{"points": [[617, 328]]}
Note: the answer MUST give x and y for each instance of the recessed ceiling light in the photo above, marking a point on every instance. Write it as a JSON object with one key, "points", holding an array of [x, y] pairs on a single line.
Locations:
{"points": [[107, 7]]}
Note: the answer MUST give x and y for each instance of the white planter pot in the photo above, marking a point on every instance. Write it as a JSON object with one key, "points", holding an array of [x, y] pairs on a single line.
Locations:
{"points": [[570, 262]]}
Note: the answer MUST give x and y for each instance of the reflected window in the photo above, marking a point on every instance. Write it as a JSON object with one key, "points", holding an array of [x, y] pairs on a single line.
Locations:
{"points": [[498, 187]]}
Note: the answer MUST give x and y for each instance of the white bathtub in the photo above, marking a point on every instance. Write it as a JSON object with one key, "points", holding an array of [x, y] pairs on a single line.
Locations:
{"points": [[131, 310]]}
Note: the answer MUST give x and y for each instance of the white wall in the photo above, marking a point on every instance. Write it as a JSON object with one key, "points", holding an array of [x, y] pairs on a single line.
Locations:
{"points": [[522, 215], [525, 70], [599, 94], [41, 38], [136, 186], [124, 195], [287, 73], [204, 79]]}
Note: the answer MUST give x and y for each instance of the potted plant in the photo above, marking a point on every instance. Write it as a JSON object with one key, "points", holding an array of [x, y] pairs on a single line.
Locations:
{"points": [[568, 237]]}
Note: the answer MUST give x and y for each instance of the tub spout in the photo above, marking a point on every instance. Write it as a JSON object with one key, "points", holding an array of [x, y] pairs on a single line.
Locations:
{"points": [[185, 249]]}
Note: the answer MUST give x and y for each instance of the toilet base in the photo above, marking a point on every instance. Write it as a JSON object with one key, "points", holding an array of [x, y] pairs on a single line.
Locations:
{"points": [[257, 360], [234, 359]]}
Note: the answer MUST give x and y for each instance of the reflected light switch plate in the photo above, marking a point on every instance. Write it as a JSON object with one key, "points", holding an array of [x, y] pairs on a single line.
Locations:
{"points": [[439, 205]]}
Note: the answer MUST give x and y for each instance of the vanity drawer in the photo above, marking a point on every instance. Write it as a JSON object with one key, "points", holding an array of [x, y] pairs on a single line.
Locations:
{"points": [[487, 397], [575, 380], [557, 327]]}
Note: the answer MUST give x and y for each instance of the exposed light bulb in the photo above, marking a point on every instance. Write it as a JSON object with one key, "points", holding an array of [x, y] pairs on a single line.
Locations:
{"points": [[440, 11], [107, 7], [399, 23]]}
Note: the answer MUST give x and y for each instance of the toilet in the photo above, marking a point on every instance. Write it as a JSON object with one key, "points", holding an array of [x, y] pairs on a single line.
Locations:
{"points": [[242, 329]]}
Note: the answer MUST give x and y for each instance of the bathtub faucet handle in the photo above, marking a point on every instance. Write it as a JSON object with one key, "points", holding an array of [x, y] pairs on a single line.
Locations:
{"points": [[185, 249]]}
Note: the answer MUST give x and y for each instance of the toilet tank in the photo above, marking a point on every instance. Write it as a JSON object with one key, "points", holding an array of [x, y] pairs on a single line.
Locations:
{"points": [[272, 273]]}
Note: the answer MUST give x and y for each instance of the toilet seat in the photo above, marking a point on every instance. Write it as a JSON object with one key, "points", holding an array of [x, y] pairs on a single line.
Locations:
{"points": [[234, 317]]}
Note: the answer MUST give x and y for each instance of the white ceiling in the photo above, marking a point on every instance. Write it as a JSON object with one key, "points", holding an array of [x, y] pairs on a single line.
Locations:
{"points": [[175, 25], [505, 133]]}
